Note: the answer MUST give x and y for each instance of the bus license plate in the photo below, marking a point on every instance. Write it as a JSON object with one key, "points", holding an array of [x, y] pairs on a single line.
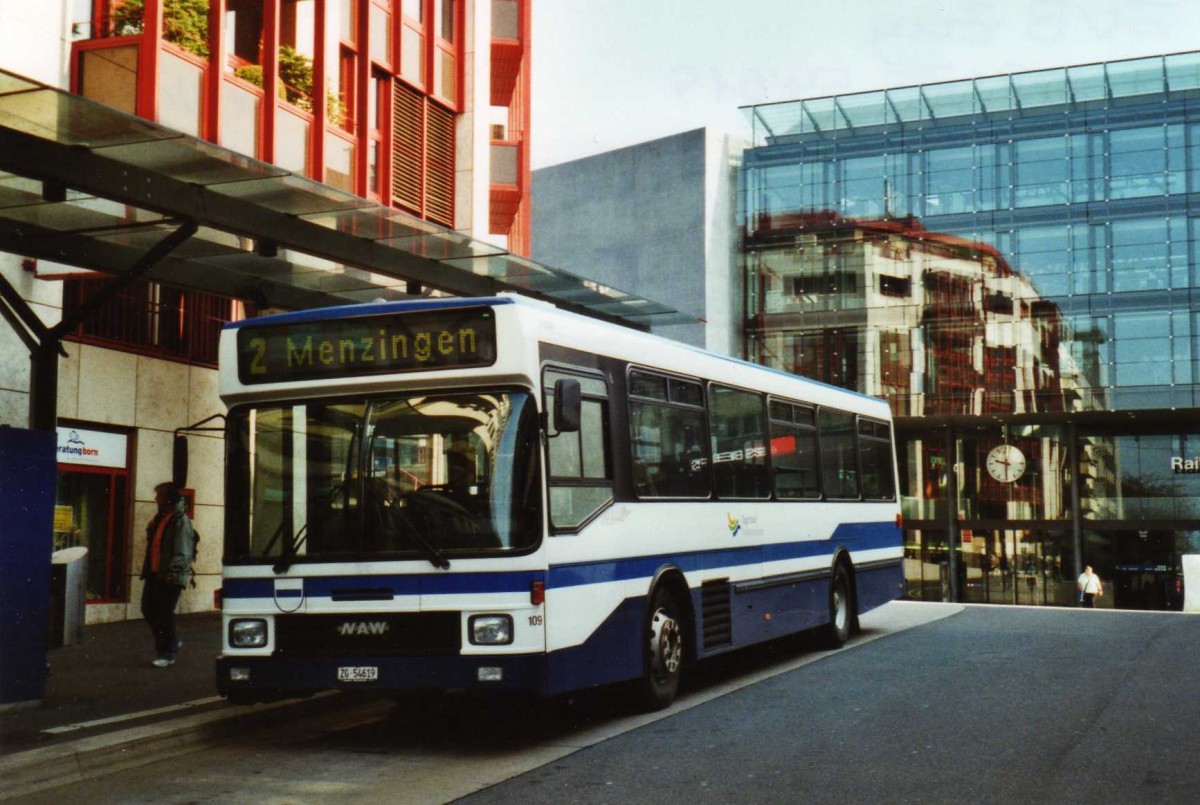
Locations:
{"points": [[358, 673]]}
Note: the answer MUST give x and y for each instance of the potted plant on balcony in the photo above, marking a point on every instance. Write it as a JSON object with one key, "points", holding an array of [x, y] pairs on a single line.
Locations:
{"points": [[185, 23], [295, 83]]}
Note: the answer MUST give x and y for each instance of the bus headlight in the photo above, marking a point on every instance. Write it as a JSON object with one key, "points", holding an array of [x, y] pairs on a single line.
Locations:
{"points": [[491, 630], [248, 633]]}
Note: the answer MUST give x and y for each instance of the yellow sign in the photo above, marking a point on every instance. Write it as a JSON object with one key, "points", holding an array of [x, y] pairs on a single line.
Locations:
{"points": [[64, 518], [308, 346]]}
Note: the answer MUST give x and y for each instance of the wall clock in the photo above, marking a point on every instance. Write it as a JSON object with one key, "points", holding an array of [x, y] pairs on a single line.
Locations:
{"points": [[1006, 463]]}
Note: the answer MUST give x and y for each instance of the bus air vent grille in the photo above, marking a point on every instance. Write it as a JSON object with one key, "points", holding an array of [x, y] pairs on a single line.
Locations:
{"points": [[715, 612]]}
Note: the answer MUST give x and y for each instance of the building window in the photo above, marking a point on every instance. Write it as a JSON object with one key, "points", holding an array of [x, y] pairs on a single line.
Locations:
{"points": [[296, 51], [412, 41], [895, 286], [378, 111], [445, 57], [381, 34], [151, 319]]}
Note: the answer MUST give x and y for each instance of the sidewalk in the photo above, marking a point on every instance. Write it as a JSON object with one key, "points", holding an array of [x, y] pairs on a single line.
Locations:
{"points": [[109, 675], [107, 708]]}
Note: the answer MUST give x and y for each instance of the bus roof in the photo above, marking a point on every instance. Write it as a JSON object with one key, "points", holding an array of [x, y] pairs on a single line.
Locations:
{"points": [[545, 308], [375, 308]]}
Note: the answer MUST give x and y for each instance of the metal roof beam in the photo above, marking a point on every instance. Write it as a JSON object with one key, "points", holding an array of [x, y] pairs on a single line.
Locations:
{"points": [[147, 261], [94, 174]]}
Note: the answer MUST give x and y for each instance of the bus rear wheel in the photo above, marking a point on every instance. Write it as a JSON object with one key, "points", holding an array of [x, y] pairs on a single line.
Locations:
{"points": [[841, 615], [663, 653]]}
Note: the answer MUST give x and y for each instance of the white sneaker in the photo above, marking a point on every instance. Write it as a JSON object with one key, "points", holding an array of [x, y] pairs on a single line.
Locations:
{"points": [[163, 662]]}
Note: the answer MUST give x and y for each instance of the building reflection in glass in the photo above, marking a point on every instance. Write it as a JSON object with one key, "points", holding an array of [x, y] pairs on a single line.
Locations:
{"points": [[948, 331], [1008, 260]]}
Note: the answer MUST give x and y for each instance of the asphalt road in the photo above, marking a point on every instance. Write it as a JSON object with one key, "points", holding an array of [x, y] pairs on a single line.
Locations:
{"points": [[986, 705], [992, 705]]}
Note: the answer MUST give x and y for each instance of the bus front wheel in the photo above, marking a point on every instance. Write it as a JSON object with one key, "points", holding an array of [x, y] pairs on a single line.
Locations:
{"points": [[841, 616], [663, 646]]}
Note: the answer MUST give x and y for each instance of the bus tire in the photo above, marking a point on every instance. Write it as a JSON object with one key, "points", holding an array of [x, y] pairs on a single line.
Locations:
{"points": [[662, 646], [841, 606]]}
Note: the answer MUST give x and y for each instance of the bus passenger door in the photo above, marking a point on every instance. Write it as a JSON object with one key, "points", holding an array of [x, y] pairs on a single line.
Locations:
{"points": [[579, 473], [579, 465]]}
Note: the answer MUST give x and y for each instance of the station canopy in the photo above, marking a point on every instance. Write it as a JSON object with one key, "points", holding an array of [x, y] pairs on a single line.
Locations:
{"points": [[85, 185]]}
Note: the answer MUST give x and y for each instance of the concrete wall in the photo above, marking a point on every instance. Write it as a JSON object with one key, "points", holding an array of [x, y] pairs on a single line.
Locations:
{"points": [[34, 39], [722, 243], [33, 43], [655, 219], [152, 397], [472, 139]]}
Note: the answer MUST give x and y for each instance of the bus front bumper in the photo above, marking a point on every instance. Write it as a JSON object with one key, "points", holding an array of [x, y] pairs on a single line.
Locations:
{"points": [[257, 678]]}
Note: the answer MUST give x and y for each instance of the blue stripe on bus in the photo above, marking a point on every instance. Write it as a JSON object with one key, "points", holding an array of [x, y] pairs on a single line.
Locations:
{"points": [[855, 536], [427, 584]]}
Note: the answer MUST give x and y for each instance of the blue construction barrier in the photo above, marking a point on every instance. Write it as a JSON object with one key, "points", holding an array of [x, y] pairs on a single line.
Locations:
{"points": [[27, 495]]}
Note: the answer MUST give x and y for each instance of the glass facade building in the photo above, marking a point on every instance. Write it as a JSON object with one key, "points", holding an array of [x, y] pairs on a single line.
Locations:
{"points": [[1011, 261]]}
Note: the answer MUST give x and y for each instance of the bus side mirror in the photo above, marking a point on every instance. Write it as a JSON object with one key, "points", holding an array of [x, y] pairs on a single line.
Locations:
{"points": [[567, 405], [179, 461]]}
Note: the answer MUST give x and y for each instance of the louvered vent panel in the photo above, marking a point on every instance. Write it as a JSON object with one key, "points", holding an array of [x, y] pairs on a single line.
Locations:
{"points": [[408, 128], [715, 613], [439, 175]]}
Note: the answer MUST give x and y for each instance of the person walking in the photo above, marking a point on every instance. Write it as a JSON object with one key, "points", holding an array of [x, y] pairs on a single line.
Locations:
{"points": [[166, 569], [1089, 587]]}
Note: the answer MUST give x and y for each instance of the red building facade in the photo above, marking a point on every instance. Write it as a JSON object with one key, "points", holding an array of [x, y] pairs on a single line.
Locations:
{"points": [[382, 98]]}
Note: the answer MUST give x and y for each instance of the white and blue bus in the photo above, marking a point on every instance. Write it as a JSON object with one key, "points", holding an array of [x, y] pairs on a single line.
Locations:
{"points": [[496, 494]]}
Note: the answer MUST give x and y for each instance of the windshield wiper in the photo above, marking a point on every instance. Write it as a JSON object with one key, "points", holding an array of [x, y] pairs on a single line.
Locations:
{"points": [[435, 557], [290, 550]]}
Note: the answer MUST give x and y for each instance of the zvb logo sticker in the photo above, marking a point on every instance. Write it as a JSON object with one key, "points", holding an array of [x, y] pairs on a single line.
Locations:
{"points": [[734, 525], [362, 628]]}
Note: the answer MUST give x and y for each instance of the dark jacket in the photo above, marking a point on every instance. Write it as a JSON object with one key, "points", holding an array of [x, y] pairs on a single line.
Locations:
{"points": [[178, 547]]}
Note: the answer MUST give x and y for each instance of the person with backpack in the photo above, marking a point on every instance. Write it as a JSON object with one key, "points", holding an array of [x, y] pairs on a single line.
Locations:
{"points": [[166, 569]]}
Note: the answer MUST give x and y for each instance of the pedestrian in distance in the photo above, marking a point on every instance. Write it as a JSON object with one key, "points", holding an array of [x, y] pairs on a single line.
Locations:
{"points": [[1090, 587], [167, 569]]}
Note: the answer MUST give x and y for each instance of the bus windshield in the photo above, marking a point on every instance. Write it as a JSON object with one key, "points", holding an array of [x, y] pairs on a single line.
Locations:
{"points": [[432, 476]]}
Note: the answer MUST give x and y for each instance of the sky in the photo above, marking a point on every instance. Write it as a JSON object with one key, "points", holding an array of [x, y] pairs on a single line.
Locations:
{"points": [[612, 73]]}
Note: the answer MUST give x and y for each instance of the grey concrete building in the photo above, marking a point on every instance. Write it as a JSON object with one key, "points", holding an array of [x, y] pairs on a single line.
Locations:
{"points": [[656, 219]]}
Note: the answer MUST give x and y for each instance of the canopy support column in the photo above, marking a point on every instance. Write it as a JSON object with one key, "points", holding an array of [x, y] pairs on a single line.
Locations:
{"points": [[45, 343]]}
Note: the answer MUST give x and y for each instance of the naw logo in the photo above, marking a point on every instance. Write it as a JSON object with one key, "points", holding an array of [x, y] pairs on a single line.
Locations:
{"points": [[735, 525], [350, 628]]}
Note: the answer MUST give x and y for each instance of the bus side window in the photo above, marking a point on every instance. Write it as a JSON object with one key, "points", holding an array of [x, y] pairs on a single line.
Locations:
{"points": [[738, 424], [579, 466], [794, 451], [875, 458], [670, 437], [839, 459]]}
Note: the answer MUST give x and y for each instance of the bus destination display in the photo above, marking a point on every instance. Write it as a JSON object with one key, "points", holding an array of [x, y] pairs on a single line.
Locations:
{"points": [[366, 345]]}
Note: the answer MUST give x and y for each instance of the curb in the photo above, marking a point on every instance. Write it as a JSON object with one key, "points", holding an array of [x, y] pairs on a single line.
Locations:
{"points": [[76, 761]]}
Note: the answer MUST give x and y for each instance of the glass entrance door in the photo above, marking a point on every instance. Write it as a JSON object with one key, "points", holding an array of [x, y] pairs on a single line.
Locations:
{"points": [[926, 565], [1016, 566], [1146, 570]]}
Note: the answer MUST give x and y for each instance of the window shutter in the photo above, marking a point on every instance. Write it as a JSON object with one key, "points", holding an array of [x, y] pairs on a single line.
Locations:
{"points": [[439, 176], [408, 127]]}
